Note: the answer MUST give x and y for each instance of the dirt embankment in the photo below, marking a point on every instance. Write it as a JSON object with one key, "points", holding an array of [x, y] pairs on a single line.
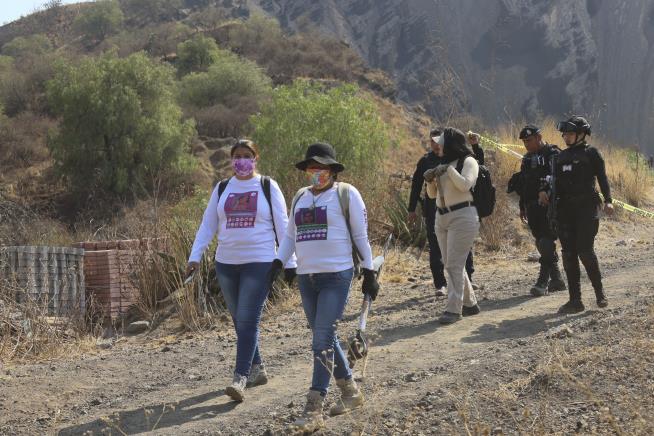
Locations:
{"points": [[518, 367]]}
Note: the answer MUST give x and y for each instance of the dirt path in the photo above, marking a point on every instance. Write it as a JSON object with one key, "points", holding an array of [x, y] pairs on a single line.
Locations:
{"points": [[175, 385]]}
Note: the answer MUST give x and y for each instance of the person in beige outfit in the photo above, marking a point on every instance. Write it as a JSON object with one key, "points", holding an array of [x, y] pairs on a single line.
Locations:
{"points": [[457, 221]]}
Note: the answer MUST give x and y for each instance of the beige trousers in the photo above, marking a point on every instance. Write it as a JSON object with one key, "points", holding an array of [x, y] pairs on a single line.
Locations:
{"points": [[456, 232]]}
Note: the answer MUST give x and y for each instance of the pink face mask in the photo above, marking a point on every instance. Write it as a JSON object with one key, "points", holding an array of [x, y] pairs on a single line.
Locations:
{"points": [[243, 166]]}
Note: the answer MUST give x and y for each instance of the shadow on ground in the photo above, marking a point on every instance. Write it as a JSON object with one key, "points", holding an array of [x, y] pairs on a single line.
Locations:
{"points": [[148, 418]]}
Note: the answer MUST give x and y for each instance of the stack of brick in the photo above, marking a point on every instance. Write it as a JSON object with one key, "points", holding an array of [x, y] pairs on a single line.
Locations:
{"points": [[110, 269], [53, 277]]}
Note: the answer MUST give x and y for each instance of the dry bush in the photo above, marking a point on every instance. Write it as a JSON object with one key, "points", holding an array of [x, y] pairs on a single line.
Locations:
{"points": [[23, 140]]}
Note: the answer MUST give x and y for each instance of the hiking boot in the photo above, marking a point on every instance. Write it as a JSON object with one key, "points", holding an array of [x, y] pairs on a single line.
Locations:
{"points": [[601, 298], [351, 397], [258, 375], [449, 318], [572, 306], [556, 281], [237, 388], [472, 310], [442, 291], [311, 419], [540, 288]]}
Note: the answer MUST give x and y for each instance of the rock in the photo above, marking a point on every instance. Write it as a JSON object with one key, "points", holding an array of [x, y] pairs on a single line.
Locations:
{"points": [[621, 243], [195, 377], [581, 425], [560, 332], [138, 327], [165, 349], [497, 430], [522, 342], [290, 405], [104, 344], [95, 402]]}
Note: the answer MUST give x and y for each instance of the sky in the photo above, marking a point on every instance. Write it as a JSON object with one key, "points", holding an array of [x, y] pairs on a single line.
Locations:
{"points": [[11, 10]]}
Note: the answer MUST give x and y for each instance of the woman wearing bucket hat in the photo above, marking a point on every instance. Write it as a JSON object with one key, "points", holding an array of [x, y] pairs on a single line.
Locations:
{"points": [[457, 221], [327, 225], [245, 211]]}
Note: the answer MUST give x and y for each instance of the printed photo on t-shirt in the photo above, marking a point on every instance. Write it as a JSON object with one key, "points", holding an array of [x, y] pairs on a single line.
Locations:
{"points": [[241, 209], [311, 224]]}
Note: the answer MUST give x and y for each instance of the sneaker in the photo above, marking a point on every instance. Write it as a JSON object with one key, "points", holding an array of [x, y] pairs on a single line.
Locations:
{"points": [[449, 318], [470, 311], [258, 376], [442, 291], [572, 306], [237, 388], [601, 299], [539, 290], [311, 419], [351, 397]]}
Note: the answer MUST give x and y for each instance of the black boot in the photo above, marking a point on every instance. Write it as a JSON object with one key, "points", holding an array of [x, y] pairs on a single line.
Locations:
{"points": [[571, 266], [540, 288], [591, 264], [556, 281]]}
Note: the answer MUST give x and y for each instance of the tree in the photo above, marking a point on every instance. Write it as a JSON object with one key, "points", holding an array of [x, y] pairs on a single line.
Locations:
{"points": [[306, 112], [101, 19], [196, 54], [120, 125]]}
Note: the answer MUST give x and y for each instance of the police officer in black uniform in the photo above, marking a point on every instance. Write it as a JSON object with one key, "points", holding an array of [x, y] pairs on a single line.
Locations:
{"points": [[535, 168], [428, 161], [578, 205]]}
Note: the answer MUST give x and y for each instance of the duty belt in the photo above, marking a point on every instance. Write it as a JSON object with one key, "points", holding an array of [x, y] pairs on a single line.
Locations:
{"points": [[444, 210]]}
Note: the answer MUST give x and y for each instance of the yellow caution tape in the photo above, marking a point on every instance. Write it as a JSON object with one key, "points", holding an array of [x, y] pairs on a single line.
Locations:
{"points": [[505, 148]]}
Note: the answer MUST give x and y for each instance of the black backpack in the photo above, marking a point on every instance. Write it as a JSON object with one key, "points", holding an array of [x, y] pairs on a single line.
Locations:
{"points": [[483, 193]]}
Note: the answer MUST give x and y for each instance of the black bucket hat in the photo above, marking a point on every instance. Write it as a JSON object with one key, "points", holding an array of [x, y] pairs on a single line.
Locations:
{"points": [[322, 153]]}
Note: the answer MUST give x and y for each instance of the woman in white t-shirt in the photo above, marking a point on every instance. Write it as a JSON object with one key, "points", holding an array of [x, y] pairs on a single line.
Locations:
{"points": [[457, 221], [322, 240], [245, 212]]}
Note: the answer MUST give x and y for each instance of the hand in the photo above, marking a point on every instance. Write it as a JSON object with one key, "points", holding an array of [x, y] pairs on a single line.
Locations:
{"points": [[191, 268], [412, 217], [274, 271], [289, 275], [473, 138], [543, 198], [369, 286], [608, 209], [429, 175], [441, 169], [523, 216]]}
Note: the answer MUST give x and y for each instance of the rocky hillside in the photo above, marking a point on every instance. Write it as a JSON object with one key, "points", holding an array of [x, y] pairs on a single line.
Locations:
{"points": [[504, 60]]}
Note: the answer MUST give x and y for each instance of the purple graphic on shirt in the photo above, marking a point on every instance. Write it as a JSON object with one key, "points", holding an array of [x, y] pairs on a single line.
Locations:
{"points": [[241, 209], [311, 224]]}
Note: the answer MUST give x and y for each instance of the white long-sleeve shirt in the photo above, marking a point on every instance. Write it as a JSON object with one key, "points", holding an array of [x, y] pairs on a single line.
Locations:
{"points": [[319, 236], [455, 186], [243, 222]]}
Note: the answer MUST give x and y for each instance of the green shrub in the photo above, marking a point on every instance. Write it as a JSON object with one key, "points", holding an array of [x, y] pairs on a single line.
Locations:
{"points": [[23, 46], [120, 125], [151, 10], [101, 19], [223, 98], [196, 54], [306, 112]]}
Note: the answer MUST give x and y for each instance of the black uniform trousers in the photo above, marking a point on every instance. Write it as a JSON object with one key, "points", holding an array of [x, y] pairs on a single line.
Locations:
{"points": [[542, 232], [435, 258], [578, 226]]}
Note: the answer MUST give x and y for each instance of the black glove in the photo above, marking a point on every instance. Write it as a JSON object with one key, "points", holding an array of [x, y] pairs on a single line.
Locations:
{"points": [[289, 275], [274, 271], [370, 286]]}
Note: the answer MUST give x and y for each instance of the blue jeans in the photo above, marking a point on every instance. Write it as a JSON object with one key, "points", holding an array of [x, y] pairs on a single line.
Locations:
{"points": [[245, 289], [324, 296]]}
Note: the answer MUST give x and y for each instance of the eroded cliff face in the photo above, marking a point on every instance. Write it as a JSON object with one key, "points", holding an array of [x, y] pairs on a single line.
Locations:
{"points": [[504, 60]]}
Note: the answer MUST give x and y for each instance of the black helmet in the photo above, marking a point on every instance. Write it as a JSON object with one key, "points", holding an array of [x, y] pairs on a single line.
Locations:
{"points": [[575, 124], [528, 130]]}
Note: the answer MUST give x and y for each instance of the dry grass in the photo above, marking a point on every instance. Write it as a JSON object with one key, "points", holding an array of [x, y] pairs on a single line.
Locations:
{"points": [[27, 333], [629, 176]]}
